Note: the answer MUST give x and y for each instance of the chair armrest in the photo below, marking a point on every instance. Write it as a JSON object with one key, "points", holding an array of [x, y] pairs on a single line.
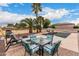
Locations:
{"points": [[35, 47], [47, 48]]}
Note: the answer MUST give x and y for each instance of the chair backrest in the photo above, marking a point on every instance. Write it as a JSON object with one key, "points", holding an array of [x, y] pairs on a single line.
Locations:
{"points": [[7, 33], [26, 46], [32, 37], [50, 37], [56, 47], [12, 36], [57, 44]]}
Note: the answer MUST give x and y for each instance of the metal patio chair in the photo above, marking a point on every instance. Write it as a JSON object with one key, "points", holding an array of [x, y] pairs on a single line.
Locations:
{"points": [[52, 49]]}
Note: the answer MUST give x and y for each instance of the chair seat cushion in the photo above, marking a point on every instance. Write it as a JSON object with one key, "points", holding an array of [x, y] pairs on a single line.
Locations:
{"points": [[34, 48], [49, 47]]}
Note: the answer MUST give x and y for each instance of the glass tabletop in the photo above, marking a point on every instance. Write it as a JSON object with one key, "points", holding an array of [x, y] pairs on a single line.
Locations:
{"points": [[41, 41]]}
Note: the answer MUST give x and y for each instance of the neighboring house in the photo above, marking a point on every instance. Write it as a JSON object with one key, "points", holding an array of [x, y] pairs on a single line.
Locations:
{"points": [[64, 25]]}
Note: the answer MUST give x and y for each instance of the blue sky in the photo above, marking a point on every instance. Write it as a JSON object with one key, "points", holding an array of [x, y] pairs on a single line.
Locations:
{"points": [[55, 12]]}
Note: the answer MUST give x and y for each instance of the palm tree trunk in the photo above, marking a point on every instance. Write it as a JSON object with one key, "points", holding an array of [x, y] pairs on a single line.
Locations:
{"points": [[40, 27], [30, 30], [37, 23], [37, 30]]}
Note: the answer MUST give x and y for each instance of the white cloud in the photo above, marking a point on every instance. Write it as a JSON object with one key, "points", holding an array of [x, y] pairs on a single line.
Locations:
{"points": [[73, 10], [76, 21], [7, 17], [53, 13], [4, 4], [76, 13]]}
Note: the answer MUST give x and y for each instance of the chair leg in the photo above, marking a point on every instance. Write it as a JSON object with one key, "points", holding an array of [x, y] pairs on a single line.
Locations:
{"points": [[57, 53], [25, 53], [30, 54], [7, 47]]}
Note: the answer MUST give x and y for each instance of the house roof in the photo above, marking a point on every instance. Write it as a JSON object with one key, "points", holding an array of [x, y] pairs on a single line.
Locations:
{"points": [[59, 24]]}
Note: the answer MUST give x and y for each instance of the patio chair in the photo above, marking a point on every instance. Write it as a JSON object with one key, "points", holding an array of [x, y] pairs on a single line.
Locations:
{"points": [[30, 48], [13, 40], [52, 49]]}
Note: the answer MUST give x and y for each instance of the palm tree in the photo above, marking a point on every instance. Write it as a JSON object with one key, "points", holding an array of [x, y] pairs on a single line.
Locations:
{"points": [[36, 9], [40, 22], [29, 23]]}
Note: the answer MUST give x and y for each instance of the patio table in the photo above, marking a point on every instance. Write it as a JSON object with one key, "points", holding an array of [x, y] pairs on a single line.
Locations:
{"points": [[41, 41]]}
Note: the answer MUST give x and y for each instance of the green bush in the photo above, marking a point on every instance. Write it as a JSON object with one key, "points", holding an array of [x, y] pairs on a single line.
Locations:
{"points": [[76, 27], [53, 26]]}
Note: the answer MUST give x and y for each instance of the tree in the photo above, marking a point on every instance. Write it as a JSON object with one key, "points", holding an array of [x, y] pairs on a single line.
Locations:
{"points": [[17, 25], [53, 26], [36, 9], [29, 23], [76, 26], [10, 25], [22, 25], [46, 23]]}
